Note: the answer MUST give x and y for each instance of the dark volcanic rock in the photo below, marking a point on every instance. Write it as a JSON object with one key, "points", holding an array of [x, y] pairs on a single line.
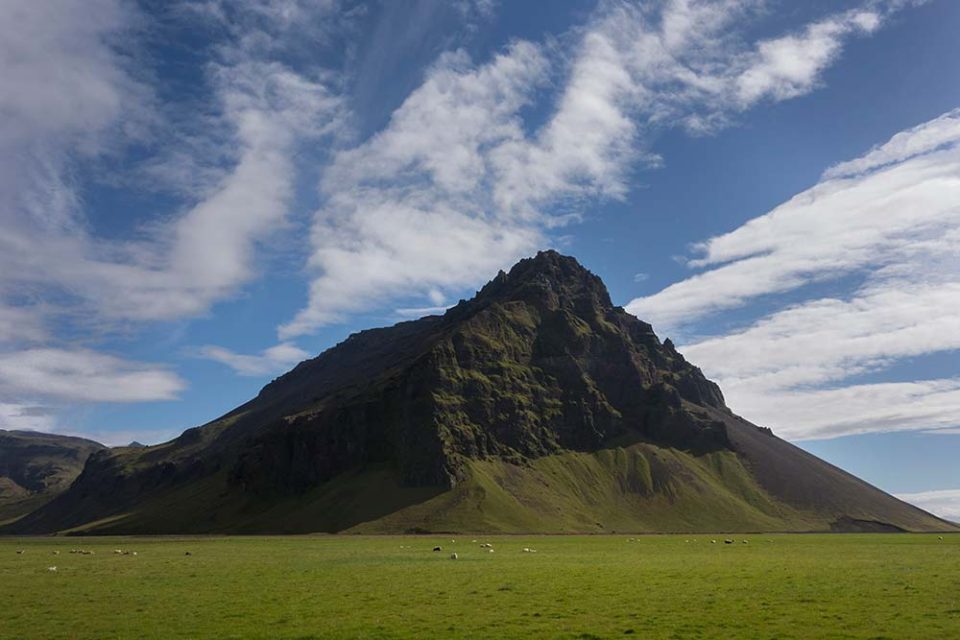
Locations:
{"points": [[538, 362]]}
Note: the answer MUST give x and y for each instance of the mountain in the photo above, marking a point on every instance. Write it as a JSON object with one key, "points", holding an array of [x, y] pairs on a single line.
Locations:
{"points": [[537, 406], [36, 467]]}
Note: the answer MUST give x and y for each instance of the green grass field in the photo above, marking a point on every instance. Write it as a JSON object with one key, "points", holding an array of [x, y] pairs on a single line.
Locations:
{"points": [[776, 586]]}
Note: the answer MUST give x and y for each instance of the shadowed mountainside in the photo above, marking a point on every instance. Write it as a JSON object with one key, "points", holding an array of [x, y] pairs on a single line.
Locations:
{"points": [[36, 467], [535, 406]]}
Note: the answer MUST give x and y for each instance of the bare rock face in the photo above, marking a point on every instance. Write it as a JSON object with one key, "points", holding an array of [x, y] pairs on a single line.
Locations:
{"points": [[538, 362]]}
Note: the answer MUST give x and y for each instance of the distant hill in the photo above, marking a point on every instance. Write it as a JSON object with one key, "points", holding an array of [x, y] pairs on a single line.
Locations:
{"points": [[36, 467], [537, 406]]}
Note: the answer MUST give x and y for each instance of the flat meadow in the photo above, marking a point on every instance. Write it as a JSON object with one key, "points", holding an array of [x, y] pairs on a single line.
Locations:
{"points": [[664, 586]]}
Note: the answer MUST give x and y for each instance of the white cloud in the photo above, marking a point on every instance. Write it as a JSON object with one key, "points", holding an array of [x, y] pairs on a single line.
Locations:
{"points": [[205, 254], [77, 99], [405, 210], [819, 414], [825, 340], [21, 324], [898, 213], [15, 416], [892, 219], [75, 91], [419, 312], [275, 359], [786, 67], [456, 186], [85, 376], [922, 139], [944, 502], [67, 93]]}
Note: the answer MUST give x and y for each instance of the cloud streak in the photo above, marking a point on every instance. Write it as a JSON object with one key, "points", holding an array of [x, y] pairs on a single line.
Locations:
{"points": [[84, 376], [891, 219], [276, 359]]}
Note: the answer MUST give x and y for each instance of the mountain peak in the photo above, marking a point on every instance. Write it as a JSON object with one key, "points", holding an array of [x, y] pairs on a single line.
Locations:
{"points": [[550, 279]]}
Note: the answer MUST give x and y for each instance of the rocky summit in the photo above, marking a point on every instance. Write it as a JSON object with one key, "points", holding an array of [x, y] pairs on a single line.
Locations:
{"points": [[536, 406]]}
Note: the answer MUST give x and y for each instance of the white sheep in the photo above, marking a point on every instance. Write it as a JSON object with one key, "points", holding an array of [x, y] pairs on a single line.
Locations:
{"points": [[454, 556], [51, 568]]}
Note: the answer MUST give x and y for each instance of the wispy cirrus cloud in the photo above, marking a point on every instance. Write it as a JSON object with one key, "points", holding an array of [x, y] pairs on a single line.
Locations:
{"points": [[85, 376], [276, 359], [25, 416], [887, 214], [83, 96], [891, 218]]}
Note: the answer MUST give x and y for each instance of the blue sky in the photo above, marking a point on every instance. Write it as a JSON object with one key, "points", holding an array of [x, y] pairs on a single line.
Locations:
{"points": [[196, 195]]}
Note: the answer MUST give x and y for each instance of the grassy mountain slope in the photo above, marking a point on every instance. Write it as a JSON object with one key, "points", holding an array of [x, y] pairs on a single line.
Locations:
{"points": [[36, 467]]}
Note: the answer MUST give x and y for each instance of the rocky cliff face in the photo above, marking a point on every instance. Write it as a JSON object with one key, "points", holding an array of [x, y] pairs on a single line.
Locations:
{"points": [[540, 361]]}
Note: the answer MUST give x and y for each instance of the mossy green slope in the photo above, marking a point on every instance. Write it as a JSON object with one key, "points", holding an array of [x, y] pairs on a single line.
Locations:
{"points": [[641, 488]]}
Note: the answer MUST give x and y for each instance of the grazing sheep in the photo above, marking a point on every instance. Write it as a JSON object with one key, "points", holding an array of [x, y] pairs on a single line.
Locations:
{"points": [[940, 538], [188, 554], [19, 552], [453, 556], [438, 548], [56, 553], [745, 541], [529, 550], [713, 542], [728, 541], [51, 568], [489, 550]]}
